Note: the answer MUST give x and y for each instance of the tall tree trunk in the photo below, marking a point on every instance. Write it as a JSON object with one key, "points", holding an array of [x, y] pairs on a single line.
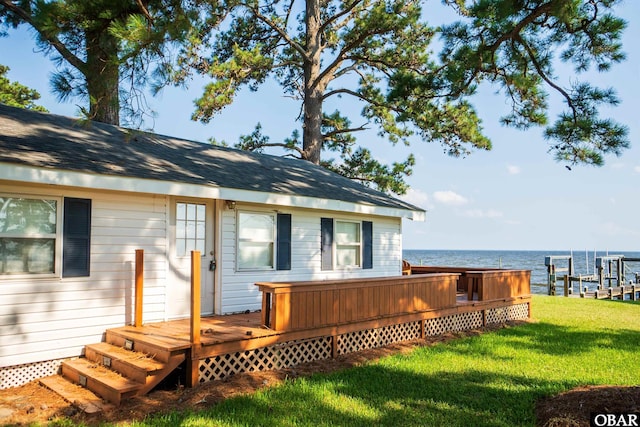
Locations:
{"points": [[102, 76], [313, 89]]}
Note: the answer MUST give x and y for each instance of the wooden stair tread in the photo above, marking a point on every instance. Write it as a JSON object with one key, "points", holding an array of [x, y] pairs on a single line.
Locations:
{"points": [[152, 336], [99, 373], [78, 396], [136, 359]]}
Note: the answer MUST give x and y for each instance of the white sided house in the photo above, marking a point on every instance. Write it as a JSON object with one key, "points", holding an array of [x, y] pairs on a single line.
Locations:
{"points": [[78, 198]]}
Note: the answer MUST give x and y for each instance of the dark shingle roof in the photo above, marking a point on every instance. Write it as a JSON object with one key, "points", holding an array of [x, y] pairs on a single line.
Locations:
{"points": [[56, 142]]}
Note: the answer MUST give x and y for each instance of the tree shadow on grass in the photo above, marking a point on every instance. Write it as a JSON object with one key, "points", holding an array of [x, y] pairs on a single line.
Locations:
{"points": [[381, 396], [551, 339], [391, 394]]}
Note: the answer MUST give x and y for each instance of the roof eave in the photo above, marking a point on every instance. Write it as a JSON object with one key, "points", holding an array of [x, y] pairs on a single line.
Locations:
{"points": [[58, 177]]}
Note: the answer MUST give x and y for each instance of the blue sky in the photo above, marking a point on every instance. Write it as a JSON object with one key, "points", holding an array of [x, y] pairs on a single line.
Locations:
{"points": [[512, 197]]}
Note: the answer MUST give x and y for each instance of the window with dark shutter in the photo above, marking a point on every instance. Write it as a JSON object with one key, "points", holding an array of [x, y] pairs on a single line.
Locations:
{"points": [[367, 244], [283, 242], [76, 237], [326, 243]]}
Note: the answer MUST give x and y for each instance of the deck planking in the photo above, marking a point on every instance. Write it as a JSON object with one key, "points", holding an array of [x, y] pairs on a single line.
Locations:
{"points": [[239, 332]]}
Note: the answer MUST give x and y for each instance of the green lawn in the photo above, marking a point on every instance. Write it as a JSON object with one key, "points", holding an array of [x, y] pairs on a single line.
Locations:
{"points": [[493, 379]]}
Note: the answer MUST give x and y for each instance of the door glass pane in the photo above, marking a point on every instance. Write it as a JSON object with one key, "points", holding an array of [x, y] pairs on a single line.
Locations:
{"points": [[190, 228], [200, 212], [181, 211]]}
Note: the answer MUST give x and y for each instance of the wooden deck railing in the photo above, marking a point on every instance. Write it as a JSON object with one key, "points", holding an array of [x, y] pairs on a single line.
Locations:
{"points": [[500, 284], [463, 281], [489, 284], [300, 305]]}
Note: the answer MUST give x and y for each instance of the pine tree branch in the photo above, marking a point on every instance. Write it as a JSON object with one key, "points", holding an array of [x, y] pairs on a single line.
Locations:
{"points": [[282, 33], [347, 10], [278, 144], [341, 131], [546, 78], [76, 62]]}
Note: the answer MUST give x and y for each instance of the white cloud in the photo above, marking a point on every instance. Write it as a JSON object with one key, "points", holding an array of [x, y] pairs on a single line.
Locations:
{"points": [[416, 197], [513, 170], [636, 169], [479, 213], [449, 198]]}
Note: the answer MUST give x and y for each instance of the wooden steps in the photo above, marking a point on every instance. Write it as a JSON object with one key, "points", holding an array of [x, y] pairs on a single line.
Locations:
{"points": [[125, 365], [100, 380], [134, 365], [80, 397]]}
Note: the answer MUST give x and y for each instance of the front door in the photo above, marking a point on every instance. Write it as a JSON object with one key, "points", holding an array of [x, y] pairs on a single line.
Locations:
{"points": [[192, 225]]}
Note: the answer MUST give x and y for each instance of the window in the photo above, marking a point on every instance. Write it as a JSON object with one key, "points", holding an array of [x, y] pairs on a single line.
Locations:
{"points": [[190, 228], [351, 241], [45, 236], [255, 240], [348, 247], [28, 232]]}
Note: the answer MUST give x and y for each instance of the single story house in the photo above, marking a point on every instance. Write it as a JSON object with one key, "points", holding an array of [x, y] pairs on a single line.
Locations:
{"points": [[78, 198]]}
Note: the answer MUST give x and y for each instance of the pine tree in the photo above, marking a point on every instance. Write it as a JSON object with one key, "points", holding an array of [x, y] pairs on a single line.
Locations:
{"points": [[379, 52], [15, 94]]}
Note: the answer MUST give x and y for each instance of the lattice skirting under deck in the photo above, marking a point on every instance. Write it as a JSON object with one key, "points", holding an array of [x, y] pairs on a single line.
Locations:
{"points": [[275, 357], [453, 323], [289, 354], [292, 353], [506, 314], [14, 376], [373, 338]]}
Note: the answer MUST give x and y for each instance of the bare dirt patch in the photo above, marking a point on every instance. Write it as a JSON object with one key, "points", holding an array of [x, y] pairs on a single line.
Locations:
{"points": [[33, 403], [574, 408]]}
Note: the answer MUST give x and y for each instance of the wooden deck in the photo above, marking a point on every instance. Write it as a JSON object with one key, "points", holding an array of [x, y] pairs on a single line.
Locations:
{"points": [[358, 307], [299, 322], [242, 332]]}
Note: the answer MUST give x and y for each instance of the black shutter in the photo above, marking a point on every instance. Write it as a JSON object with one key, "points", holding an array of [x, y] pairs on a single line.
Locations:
{"points": [[76, 237], [283, 242], [367, 244], [326, 243]]}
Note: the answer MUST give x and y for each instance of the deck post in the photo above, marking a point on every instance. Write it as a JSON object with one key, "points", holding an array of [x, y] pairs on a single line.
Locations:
{"points": [[194, 329], [334, 346], [139, 287], [195, 297]]}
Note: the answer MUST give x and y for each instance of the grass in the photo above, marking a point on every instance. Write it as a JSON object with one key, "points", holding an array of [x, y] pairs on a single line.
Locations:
{"points": [[493, 379]]}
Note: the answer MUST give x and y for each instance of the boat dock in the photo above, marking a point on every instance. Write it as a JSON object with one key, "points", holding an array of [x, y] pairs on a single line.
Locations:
{"points": [[612, 278]]}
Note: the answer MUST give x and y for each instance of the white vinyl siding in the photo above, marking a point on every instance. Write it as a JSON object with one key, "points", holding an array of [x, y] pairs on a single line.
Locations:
{"points": [[45, 318], [50, 318], [238, 290]]}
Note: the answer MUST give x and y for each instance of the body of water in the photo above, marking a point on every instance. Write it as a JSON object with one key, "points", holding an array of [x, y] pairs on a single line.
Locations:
{"points": [[583, 261]]}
